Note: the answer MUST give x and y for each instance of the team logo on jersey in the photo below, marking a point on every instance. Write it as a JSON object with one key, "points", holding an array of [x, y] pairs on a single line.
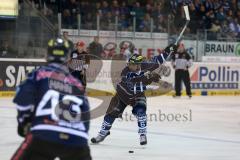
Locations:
{"points": [[74, 55]]}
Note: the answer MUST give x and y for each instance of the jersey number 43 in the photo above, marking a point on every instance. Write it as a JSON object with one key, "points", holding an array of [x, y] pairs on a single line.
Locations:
{"points": [[60, 107]]}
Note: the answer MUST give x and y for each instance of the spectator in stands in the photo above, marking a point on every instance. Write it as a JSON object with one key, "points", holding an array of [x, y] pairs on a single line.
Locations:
{"points": [[230, 15], [193, 25], [202, 12], [216, 27], [233, 5], [88, 16], [234, 28], [220, 15], [145, 23], [202, 16], [209, 18], [161, 24], [95, 48], [179, 18], [157, 11], [149, 9], [138, 11], [70, 14], [124, 10], [226, 5], [238, 16], [6, 51], [107, 22], [115, 8], [170, 6], [66, 38], [197, 5], [37, 4], [209, 5], [89, 21], [85, 8], [105, 8], [214, 30], [225, 30], [131, 2], [123, 23], [97, 8], [217, 4]]}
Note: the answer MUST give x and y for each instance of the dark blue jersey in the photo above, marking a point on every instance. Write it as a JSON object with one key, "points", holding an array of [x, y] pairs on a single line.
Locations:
{"points": [[53, 101], [133, 84]]}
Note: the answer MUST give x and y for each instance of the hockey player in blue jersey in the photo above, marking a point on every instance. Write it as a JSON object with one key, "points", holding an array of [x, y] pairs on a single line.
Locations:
{"points": [[53, 111], [130, 91]]}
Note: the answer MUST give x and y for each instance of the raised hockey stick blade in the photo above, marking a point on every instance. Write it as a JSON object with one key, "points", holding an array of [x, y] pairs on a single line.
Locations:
{"points": [[187, 16]]}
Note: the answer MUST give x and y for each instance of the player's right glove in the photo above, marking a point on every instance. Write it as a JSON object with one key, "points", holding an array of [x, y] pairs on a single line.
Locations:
{"points": [[155, 77], [23, 129], [24, 125], [152, 76], [172, 48]]}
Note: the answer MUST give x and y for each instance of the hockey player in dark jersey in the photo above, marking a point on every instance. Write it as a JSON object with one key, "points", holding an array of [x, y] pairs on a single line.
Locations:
{"points": [[79, 61], [130, 91], [52, 111]]}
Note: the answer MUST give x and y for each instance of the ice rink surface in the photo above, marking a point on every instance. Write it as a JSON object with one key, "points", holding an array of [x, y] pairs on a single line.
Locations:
{"points": [[203, 128]]}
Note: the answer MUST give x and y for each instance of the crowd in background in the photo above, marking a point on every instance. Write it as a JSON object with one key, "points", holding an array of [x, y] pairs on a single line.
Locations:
{"points": [[221, 18], [217, 16]]}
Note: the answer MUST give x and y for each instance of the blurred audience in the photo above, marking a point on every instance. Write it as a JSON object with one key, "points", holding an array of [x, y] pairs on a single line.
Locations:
{"points": [[166, 15]]}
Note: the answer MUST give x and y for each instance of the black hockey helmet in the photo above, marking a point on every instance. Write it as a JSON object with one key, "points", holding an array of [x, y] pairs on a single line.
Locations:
{"points": [[57, 50], [135, 59]]}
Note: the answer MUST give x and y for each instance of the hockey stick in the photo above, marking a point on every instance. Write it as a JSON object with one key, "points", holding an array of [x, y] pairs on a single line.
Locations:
{"points": [[165, 71], [186, 11]]}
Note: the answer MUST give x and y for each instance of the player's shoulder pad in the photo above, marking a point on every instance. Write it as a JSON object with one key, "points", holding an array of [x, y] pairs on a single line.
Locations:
{"points": [[31, 75], [125, 71]]}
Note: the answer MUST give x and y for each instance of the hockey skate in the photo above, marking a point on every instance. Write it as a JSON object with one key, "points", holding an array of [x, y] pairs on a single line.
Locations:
{"points": [[99, 138], [176, 96], [143, 139]]}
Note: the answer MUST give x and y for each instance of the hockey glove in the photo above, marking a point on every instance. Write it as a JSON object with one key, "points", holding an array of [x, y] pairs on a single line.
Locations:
{"points": [[172, 48], [23, 129], [155, 77], [24, 124]]}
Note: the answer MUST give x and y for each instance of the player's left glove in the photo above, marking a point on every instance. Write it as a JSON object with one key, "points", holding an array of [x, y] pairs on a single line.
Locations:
{"points": [[172, 48]]}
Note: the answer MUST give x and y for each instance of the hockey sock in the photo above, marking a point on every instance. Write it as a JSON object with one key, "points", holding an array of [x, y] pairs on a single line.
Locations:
{"points": [[106, 125], [142, 123]]}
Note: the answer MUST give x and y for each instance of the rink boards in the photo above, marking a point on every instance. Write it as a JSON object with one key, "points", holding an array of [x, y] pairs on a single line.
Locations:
{"points": [[206, 79]]}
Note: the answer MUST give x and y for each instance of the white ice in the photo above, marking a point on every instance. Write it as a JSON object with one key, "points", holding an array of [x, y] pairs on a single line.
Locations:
{"points": [[212, 134]]}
